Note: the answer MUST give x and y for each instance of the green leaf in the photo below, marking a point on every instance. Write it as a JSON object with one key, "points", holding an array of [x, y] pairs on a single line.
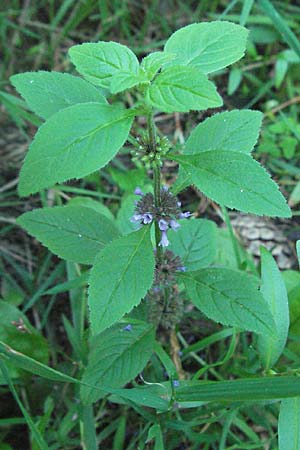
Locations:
{"points": [[73, 143], [156, 395], [89, 202], [229, 297], [195, 243], [100, 61], [235, 180], [264, 388], [234, 80], [74, 233], [281, 68], [16, 330], [154, 61], [235, 130], [209, 46], [274, 292], [181, 89], [120, 278], [289, 145], [23, 361], [125, 213], [155, 433], [294, 198], [123, 80], [128, 180], [289, 424], [116, 356], [48, 92]]}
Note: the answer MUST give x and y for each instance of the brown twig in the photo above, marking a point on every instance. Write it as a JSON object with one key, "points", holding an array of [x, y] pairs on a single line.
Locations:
{"points": [[175, 351], [283, 105]]}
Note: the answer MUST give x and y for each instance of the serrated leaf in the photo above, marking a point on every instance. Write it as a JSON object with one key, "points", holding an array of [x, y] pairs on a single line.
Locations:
{"points": [[194, 242], [208, 46], [74, 143], [235, 180], [289, 424], [116, 356], [154, 61], [229, 297], [236, 130], [123, 80], [182, 89], [120, 278], [98, 62], [74, 233], [274, 292], [48, 92]]}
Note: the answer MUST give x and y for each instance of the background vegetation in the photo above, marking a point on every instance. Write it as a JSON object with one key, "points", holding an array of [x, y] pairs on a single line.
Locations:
{"points": [[35, 35]]}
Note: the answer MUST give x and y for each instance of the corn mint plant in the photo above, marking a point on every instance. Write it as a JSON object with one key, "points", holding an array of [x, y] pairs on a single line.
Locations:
{"points": [[139, 281]]}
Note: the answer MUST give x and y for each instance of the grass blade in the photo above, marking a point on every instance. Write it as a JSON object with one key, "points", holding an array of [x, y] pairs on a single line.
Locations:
{"points": [[280, 25], [33, 428]]}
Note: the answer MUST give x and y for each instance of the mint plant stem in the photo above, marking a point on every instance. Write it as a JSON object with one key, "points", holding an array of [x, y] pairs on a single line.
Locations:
{"points": [[156, 178]]}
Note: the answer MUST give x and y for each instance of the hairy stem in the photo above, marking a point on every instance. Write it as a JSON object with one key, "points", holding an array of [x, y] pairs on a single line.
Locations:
{"points": [[156, 179]]}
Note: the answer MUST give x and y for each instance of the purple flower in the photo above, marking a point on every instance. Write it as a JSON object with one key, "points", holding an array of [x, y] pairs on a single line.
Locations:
{"points": [[181, 269], [156, 289], [138, 191], [178, 204], [128, 327], [136, 218], [165, 188], [185, 215], [176, 383], [147, 218], [163, 225], [174, 225], [164, 242]]}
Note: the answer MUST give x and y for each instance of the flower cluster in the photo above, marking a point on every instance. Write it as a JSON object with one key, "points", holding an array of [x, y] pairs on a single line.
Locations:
{"points": [[145, 153], [166, 215], [166, 310]]}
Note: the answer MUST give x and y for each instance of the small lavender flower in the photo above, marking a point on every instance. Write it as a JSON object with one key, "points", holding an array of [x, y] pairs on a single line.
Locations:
{"points": [[181, 269], [174, 225], [179, 204], [136, 218], [128, 327], [138, 191], [147, 218], [176, 383], [185, 215], [163, 225], [164, 242], [156, 289]]}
